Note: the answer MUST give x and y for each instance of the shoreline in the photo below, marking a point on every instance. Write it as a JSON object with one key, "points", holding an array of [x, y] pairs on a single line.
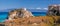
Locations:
{"points": [[49, 18]]}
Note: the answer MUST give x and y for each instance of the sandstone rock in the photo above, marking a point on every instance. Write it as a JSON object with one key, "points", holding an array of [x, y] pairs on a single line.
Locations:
{"points": [[32, 21], [22, 13], [12, 14], [53, 10]]}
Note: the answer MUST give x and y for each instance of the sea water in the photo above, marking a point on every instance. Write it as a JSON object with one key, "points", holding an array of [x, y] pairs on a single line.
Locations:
{"points": [[4, 15]]}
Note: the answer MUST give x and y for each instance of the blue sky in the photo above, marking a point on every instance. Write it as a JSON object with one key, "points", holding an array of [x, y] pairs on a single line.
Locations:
{"points": [[39, 4]]}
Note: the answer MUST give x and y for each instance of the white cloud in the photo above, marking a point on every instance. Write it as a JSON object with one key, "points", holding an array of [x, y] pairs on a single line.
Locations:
{"points": [[45, 8], [38, 8], [31, 8], [59, 4]]}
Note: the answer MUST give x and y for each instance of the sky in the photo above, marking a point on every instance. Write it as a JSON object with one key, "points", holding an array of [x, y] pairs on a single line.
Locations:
{"points": [[29, 4]]}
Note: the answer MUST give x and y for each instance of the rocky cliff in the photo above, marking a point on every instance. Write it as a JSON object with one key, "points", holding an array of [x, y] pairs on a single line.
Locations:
{"points": [[23, 17], [53, 10], [21, 13]]}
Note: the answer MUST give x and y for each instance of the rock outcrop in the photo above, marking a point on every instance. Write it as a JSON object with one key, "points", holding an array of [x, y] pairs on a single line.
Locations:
{"points": [[21, 13], [24, 13], [32, 21], [53, 10], [22, 17]]}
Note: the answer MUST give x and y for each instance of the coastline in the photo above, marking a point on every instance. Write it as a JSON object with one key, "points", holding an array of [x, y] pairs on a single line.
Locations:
{"points": [[24, 21]]}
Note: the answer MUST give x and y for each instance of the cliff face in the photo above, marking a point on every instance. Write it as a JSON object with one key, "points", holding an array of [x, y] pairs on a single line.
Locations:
{"points": [[21, 13], [35, 21], [53, 10], [24, 13]]}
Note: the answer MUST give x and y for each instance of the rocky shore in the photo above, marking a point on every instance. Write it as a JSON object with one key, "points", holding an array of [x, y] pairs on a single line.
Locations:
{"points": [[23, 17]]}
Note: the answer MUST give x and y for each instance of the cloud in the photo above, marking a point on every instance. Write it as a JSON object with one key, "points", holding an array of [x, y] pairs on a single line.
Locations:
{"points": [[30, 8], [38, 8], [42, 8], [45, 8]]}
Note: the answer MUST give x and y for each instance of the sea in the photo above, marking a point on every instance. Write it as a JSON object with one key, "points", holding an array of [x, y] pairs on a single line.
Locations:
{"points": [[4, 15]]}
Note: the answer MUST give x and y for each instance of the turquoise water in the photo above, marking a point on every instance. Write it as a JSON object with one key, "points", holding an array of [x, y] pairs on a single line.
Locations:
{"points": [[39, 14], [3, 15]]}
